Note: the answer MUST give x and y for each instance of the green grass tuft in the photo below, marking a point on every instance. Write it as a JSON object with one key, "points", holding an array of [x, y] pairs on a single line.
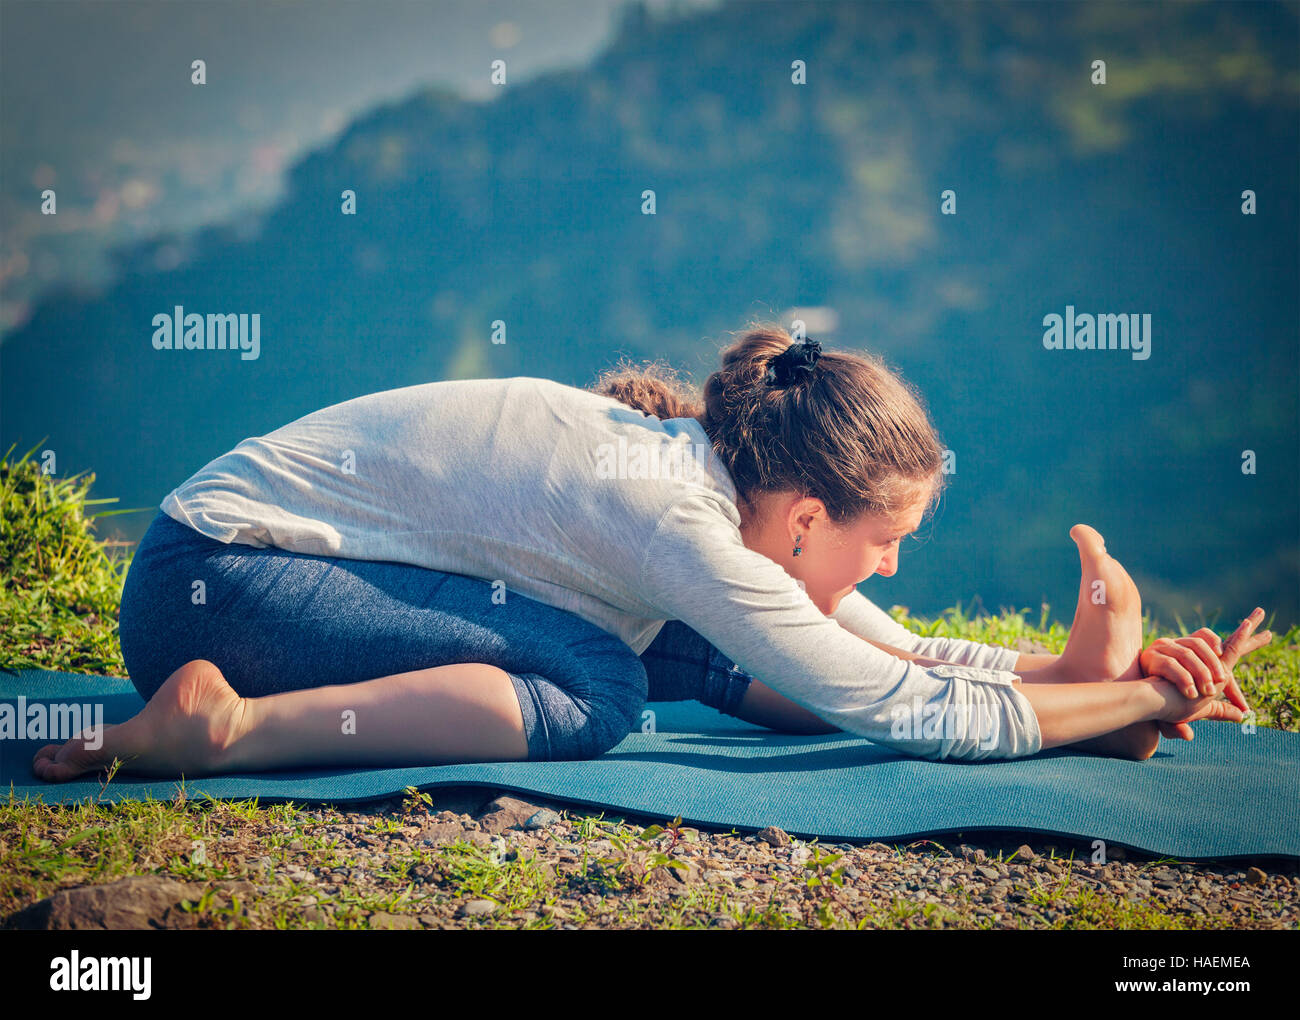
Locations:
{"points": [[62, 584]]}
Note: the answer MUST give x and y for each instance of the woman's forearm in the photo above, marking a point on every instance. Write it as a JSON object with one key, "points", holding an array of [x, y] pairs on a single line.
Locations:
{"points": [[1068, 713], [1027, 663]]}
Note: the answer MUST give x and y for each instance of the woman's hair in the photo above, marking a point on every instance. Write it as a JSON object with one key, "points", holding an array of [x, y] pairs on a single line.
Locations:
{"points": [[850, 432]]}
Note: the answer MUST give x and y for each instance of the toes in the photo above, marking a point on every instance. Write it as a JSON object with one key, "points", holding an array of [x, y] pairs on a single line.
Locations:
{"points": [[56, 763], [1091, 545]]}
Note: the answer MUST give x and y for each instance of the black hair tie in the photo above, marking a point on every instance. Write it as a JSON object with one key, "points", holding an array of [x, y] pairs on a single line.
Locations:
{"points": [[794, 363]]}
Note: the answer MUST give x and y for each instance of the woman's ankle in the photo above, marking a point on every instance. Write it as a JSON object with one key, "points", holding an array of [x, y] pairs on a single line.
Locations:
{"points": [[1058, 672], [237, 751]]}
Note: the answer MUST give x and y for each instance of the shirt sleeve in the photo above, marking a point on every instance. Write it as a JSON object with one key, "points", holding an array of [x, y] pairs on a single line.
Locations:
{"points": [[859, 615], [697, 569]]}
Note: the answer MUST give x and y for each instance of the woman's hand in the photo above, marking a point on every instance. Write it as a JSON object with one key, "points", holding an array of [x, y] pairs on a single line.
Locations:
{"points": [[1181, 710], [1192, 663], [1201, 660], [1191, 706]]}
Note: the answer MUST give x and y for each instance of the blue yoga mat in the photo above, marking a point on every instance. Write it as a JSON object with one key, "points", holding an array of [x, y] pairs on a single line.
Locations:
{"points": [[1225, 794]]}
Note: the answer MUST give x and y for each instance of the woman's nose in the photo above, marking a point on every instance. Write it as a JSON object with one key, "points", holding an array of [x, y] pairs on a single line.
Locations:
{"points": [[889, 565]]}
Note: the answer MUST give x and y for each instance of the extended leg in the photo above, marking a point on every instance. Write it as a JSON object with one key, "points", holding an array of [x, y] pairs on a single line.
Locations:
{"points": [[197, 725]]}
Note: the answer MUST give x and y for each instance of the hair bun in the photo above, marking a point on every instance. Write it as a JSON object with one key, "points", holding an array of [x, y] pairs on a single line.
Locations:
{"points": [[793, 364]]}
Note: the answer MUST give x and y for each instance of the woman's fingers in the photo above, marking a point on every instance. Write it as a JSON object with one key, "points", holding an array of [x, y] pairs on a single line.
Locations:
{"points": [[1239, 643], [1191, 663], [1175, 731], [1202, 661], [1212, 638], [1163, 664]]}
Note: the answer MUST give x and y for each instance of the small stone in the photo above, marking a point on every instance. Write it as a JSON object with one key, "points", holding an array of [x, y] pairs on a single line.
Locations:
{"points": [[686, 875], [237, 887], [1256, 876], [506, 813], [773, 836], [541, 819], [990, 873], [1023, 853], [383, 919], [476, 908]]}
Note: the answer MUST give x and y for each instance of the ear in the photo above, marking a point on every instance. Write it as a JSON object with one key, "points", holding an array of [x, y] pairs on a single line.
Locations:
{"points": [[805, 511]]}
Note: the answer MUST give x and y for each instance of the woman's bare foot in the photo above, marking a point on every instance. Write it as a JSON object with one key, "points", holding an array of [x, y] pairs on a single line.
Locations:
{"points": [[1137, 742], [1106, 635], [184, 729]]}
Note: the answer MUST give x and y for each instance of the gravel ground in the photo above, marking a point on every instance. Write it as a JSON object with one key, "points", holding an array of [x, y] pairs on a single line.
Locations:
{"points": [[477, 857], [544, 868], [982, 879]]}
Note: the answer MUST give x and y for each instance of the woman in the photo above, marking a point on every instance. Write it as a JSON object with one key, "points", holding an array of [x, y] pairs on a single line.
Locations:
{"points": [[506, 569]]}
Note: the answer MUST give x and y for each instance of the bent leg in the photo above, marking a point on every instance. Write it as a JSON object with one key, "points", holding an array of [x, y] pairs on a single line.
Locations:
{"points": [[433, 646]]}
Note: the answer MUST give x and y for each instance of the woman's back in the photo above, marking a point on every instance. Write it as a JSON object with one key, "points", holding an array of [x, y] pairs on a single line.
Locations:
{"points": [[553, 490]]}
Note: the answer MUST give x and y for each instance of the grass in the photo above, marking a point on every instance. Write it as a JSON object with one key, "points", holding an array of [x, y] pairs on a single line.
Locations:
{"points": [[62, 585], [59, 606]]}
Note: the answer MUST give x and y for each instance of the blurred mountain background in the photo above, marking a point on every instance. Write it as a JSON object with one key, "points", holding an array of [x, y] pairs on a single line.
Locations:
{"points": [[522, 203]]}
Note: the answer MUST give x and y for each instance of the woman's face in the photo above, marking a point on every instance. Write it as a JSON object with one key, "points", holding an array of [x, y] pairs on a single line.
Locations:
{"points": [[834, 558]]}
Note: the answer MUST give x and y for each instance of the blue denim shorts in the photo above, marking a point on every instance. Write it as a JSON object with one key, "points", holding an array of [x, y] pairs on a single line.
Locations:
{"points": [[275, 621]]}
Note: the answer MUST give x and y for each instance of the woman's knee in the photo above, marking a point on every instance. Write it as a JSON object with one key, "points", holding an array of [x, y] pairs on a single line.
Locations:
{"points": [[592, 713]]}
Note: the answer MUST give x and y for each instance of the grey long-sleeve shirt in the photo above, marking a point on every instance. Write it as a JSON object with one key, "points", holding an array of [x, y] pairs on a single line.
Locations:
{"points": [[577, 501]]}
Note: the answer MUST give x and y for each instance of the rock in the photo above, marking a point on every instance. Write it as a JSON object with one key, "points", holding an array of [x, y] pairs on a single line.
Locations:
{"points": [[476, 908], [420, 873], [773, 836], [142, 901], [1023, 853], [236, 887], [383, 919], [990, 873], [439, 833], [686, 875], [541, 819], [506, 813], [1256, 876]]}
